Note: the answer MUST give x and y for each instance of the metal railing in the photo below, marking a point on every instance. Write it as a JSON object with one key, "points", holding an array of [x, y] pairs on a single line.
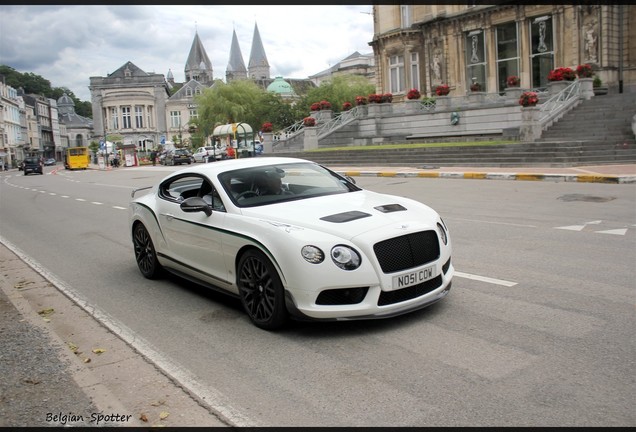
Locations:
{"points": [[556, 106], [338, 121]]}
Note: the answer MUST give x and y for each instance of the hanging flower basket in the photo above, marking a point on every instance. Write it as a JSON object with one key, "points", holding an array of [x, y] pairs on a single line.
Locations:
{"points": [[346, 106], [442, 90], [513, 81], [584, 71], [528, 99], [562, 74], [309, 121], [413, 94], [267, 127]]}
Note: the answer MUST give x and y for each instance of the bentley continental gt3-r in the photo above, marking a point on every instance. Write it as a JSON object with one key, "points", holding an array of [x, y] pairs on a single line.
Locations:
{"points": [[292, 239]]}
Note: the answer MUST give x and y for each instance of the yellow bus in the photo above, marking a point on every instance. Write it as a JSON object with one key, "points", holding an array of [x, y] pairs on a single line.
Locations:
{"points": [[76, 158]]}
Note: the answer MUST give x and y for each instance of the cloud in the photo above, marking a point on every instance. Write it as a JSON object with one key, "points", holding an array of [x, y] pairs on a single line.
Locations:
{"points": [[69, 44]]}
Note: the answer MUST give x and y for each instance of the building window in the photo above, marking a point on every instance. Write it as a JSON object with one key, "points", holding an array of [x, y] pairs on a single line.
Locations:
{"points": [[175, 119], [405, 15], [114, 118], [188, 91], [476, 59], [542, 55], [149, 123], [507, 54], [396, 73], [125, 118], [415, 70], [194, 114], [139, 116]]}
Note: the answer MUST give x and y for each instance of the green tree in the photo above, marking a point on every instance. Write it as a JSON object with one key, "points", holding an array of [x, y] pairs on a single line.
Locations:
{"points": [[338, 90]]}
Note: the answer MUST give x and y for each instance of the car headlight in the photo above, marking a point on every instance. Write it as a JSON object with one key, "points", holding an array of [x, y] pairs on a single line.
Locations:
{"points": [[345, 257], [312, 254], [442, 233]]}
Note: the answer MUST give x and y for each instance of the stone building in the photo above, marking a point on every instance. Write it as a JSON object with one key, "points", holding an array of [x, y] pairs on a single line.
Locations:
{"points": [[424, 45]]}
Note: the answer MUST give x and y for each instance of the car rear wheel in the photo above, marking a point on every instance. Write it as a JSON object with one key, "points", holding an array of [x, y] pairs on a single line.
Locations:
{"points": [[145, 254], [261, 291]]}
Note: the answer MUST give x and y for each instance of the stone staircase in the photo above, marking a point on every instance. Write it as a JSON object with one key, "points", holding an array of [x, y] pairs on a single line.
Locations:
{"points": [[597, 132]]}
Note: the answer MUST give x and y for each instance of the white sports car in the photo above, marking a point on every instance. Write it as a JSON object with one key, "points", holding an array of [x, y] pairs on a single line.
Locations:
{"points": [[292, 238]]}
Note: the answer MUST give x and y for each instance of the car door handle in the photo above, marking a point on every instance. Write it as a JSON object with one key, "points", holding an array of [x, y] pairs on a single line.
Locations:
{"points": [[168, 216]]}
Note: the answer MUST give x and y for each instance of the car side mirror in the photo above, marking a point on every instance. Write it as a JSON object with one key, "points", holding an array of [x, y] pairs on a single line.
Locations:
{"points": [[196, 204]]}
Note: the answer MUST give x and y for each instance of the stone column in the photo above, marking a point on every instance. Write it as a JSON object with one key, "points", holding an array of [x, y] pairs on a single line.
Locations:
{"points": [[530, 129], [311, 138], [555, 87]]}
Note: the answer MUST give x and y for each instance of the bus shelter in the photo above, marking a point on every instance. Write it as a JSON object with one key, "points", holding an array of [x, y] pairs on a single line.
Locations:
{"points": [[240, 136]]}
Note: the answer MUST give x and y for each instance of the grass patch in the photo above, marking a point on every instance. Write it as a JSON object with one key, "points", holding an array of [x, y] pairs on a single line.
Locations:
{"points": [[416, 145]]}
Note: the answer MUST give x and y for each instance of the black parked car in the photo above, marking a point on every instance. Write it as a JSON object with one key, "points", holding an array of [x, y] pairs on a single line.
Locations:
{"points": [[32, 164], [178, 157]]}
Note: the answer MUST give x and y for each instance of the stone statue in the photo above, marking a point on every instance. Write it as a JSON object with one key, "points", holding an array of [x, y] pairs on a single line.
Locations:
{"points": [[437, 71], [590, 43]]}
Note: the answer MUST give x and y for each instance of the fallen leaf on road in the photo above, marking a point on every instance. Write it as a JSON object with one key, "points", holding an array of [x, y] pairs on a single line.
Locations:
{"points": [[73, 347], [22, 284], [87, 360], [45, 312], [161, 402], [99, 350], [163, 415], [143, 418]]}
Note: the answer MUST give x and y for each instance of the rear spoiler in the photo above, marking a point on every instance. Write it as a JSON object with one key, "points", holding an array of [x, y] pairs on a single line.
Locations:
{"points": [[134, 191]]}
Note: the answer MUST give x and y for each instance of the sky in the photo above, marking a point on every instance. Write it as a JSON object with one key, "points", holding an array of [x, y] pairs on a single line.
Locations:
{"points": [[68, 44]]}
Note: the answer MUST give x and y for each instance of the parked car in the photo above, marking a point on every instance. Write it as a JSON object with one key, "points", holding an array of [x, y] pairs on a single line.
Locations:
{"points": [[292, 239], [50, 162], [209, 153], [32, 164], [178, 157]]}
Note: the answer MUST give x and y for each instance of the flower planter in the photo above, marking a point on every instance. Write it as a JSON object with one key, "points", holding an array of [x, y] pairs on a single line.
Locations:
{"points": [[442, 103], [311, 138], [412, 106], [513, 93], [587, 88], [555, 87], [530, 129]]}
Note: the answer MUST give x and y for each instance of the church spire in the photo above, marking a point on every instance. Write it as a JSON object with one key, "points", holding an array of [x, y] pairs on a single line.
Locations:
{"points": [[198, 65], [258, 65], [235, 66]]}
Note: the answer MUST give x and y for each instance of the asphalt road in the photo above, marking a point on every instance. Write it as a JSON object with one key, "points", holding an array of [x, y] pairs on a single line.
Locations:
{"points": [[537, 330]]}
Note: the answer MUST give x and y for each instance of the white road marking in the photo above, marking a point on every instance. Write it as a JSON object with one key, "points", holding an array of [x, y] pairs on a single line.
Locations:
{"points": [[572, 227], [620, 231], [485, 279]]}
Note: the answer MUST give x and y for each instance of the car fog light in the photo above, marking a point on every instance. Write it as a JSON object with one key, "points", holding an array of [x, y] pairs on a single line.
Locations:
{"points": [[345, 257], [312, 254]]}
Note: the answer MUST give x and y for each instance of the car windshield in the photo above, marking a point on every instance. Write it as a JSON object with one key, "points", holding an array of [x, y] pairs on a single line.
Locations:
{"points": [[262, 185]]}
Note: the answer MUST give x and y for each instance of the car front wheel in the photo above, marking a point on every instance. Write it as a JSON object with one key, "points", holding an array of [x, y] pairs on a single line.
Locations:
{"points": [[145, 254], [261, 291]]}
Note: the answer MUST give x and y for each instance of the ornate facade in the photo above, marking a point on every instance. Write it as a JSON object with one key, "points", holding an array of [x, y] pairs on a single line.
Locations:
{"points": [[422, 46]]}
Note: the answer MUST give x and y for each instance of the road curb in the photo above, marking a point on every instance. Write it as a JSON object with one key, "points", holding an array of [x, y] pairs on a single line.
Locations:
{"points": [[580, 178]]}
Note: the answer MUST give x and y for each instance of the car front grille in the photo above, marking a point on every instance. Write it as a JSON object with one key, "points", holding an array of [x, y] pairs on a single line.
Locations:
{"points": [[407, 251]]}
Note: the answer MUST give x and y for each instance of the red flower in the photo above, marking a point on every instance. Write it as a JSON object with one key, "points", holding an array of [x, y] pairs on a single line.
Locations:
{"points": [[386, 97], [315, 106], [476, 87], [267, 127], [346, 106], [528, 99], [561, 74], [309, 121], [325, 105], [413, 94], [584, 71], [361, 100], [442, 90], [513, 81]]}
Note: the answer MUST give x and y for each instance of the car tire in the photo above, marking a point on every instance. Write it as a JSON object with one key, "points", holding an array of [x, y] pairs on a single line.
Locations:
{"points": [[261, 291], [145, 253]]}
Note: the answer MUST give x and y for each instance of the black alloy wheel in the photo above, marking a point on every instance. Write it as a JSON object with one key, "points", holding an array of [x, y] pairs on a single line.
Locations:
{"points": [[261, 291], [145, 254]]}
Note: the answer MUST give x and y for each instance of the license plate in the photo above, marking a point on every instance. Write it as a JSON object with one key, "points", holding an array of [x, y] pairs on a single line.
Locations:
{"points": [[414, 278]]}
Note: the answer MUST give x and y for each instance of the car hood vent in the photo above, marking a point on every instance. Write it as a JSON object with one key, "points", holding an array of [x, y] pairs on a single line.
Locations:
{"points": [[345, 217], [390, 208]]}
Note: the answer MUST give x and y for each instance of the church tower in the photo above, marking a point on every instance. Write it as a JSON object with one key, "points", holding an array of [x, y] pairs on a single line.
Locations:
{"points": [[198, 66], [258, 66], [235, 66]]}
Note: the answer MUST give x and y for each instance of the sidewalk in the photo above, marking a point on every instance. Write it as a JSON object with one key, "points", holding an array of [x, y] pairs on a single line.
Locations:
{"points": [[625, 173], [589, 174]]}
